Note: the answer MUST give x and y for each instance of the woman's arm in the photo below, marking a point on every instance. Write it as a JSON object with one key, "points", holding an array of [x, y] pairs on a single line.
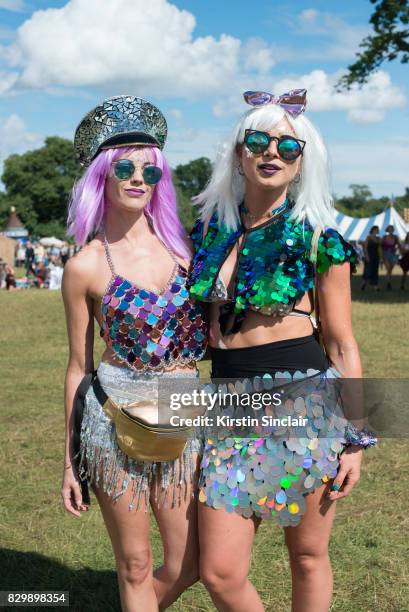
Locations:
{"points": [[334, 296], [365, 249], [80, 327], [380, 251]]}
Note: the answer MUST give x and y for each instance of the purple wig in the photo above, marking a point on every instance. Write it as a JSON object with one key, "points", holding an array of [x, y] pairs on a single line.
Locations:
{"points": [[88, 206]]}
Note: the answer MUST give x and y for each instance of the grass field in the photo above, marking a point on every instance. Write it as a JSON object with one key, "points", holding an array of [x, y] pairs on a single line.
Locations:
{"points": [[44, 548]]}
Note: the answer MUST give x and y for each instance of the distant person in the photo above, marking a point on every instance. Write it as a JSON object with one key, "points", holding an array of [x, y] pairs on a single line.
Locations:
{"points": [[29, 257], [390, 245], [10, 278], [39, 252], [55, 272], [64, 253], [360, 251], [404, 260], [54, 251], [372, 248], [20, 255], [2, 273], [40, 274]]}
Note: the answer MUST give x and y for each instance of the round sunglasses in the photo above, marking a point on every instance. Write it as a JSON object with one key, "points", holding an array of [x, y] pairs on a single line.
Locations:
{"points": [[124, 169], [288, 147]]}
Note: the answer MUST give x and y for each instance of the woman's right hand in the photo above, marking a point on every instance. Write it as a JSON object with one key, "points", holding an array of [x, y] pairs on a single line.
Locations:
{"points": [[71, 492]]}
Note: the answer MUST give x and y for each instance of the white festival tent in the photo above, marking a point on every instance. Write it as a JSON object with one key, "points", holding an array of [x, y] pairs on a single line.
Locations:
{"points": [[357, 228], [52, 241]]}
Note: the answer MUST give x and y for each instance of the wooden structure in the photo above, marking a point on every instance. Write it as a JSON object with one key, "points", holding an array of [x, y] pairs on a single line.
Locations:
{"points": [[7, 249]]}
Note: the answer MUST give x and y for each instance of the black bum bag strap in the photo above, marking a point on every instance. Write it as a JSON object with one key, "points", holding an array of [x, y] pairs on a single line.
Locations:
{"points": [[100, 394], [88, 380]]}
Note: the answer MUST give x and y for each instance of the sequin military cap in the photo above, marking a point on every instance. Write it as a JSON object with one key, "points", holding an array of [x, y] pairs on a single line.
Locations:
{"points": [[119, 122]]}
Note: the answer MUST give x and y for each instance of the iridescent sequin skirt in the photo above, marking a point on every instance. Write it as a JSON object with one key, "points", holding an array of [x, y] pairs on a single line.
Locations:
{"points": [[104, 464], [268, 476]]}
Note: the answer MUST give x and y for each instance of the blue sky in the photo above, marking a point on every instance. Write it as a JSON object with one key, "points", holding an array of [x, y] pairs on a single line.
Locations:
{"points": [[194, 59]]}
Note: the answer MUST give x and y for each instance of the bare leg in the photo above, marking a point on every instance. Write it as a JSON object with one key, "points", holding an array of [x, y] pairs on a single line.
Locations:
{"points": [[308, 551], [226, 541], [129, 534], [178, 528], [389, 267]]}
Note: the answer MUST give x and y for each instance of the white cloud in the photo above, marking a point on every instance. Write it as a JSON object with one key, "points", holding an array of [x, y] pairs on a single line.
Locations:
{"points": [[362, 105], [7, 81], [309, 17], [381, 165], [143, 45], [176, 114], [345, 38], [147, 45], [15, 137], [187, 144], [13, 5], [258, 55], [365, 115]]}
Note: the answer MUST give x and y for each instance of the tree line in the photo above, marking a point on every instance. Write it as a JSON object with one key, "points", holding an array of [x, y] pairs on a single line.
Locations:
{"points": [[38, 184]]}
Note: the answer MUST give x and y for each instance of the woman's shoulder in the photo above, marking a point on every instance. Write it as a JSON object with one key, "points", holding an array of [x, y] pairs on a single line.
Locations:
{"points": [[83, 265]]}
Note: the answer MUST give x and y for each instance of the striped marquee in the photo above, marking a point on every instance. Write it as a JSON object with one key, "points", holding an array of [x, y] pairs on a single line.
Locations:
{"points": [[354, 228]]}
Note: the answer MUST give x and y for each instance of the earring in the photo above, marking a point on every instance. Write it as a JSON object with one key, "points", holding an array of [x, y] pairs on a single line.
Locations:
{"points": [[240, 169], [297, 178]]}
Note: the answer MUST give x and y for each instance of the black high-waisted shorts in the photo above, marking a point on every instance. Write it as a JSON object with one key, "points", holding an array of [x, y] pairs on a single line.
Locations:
{"points": [[291, 355]]}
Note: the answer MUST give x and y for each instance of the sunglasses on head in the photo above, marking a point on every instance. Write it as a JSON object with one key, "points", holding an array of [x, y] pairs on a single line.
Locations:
{"points": [[124, 169], [288, 147]]}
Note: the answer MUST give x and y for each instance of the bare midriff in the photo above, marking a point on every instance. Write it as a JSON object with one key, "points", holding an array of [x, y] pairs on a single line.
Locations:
{"points": [[258, 329]]}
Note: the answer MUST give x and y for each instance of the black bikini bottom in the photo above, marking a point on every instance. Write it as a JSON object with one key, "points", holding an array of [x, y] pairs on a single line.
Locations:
{"points": [[284, 355]]}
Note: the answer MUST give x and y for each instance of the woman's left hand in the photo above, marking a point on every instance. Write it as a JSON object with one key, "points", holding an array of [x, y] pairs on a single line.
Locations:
{"points": [[349, 472]]}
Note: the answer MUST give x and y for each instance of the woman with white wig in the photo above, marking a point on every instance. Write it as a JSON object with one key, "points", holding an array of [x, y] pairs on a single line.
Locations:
{"points": [[264, 244]]}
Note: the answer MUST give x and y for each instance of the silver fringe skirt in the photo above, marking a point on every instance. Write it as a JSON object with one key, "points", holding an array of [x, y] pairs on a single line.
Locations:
{"points": [[104, 464]]}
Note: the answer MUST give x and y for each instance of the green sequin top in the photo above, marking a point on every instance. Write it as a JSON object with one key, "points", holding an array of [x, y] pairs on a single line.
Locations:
{"points": [[273, 269]]}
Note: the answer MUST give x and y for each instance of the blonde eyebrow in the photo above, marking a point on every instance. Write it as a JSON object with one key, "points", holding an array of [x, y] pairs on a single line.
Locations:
{"points": [[286, 131]]}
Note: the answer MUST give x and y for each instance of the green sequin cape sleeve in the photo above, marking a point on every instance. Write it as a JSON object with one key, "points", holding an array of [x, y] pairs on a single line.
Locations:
{"points": [[274, 268], [334, 249]]}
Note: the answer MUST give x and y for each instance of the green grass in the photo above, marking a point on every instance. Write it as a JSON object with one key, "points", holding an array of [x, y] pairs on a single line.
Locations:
{"points": [[45, 548]]}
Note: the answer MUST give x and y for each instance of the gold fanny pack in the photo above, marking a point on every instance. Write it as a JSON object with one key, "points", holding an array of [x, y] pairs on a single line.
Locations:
{"points": [[138, 432]]}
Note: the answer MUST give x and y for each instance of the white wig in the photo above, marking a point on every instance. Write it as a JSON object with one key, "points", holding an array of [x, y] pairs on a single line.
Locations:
{"points": [[312, 194]]}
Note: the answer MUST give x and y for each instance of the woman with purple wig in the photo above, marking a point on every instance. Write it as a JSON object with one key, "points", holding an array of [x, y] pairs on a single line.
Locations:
{"points": [[131, 279]]}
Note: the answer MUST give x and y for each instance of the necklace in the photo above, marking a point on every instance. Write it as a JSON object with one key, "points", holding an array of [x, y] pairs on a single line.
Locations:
{"points": [[269, 214]]}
